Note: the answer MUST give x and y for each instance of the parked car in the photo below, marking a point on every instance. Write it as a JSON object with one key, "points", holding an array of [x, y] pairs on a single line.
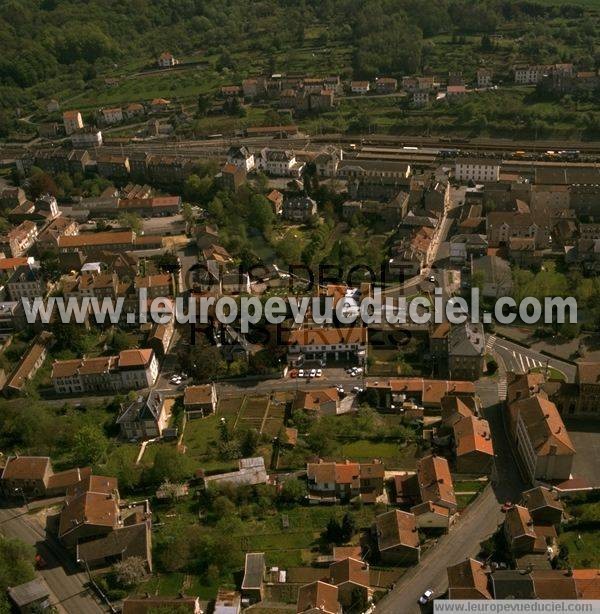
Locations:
{"points": [[319, 372], [506, 506], [426, 597], [313, 373], [301, 373]]}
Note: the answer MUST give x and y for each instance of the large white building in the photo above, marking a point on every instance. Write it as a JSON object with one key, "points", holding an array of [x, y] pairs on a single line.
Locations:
{"points": [[130, 370], [530, 75], [541, 439], [477, 169], [241, 157], [85, 138], [327, 343], [281, 163]]}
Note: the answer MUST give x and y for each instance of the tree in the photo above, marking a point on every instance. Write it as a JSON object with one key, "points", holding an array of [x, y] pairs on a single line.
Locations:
{"points": [[261, 181], [249, 442], [293, 491], [41, 183], [320, 440], [90, 445], [260, 212], [119, 340], [348, 527], [358, 600], [16, 567], [5, 124], [73, 337], [486, 44], [197, 189], [203, 105], [168, 464], [130, 571], [202, 361], [333, 531], [131, 220], [50, 265], [188, 214]]}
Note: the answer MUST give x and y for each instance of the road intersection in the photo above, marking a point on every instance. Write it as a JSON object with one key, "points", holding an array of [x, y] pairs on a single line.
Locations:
{"points": [[520, 359]]}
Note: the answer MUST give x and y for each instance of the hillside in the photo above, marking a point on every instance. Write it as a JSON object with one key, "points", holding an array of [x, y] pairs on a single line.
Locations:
{"points": [[66, 48]]}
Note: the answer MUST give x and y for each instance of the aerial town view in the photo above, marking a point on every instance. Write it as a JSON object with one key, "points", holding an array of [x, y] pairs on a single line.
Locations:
{"points": [[299, 306]]}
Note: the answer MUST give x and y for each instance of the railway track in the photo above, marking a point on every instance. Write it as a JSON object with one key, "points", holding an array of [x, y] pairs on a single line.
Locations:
{"points": [[418, 150]]}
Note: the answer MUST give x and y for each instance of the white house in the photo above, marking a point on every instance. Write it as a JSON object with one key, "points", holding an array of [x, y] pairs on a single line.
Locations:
{"points": [[328, 161], [241, 157], [113, 115], [477, 169], [166, 60], [87, 137], [130, 370], [281, 163]]}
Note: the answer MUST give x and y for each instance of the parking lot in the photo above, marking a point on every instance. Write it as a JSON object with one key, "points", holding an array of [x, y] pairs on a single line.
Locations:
{"points": [[170, 225]]}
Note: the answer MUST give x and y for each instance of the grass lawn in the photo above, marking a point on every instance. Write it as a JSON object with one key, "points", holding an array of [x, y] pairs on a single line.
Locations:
{"points": [[384, 362], [553, 374], [392, 454], [584, 552], [296, 545], [469, 486], [200, 439], [464, 501]]}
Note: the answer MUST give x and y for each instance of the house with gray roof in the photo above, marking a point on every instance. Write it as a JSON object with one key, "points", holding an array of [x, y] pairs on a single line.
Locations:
{"points": [[32, 596], [466, 351], [254, 573], [144, 418]]}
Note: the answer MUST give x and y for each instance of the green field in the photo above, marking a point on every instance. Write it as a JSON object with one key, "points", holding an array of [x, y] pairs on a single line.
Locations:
{"points": [[394, 456], [585, 552]]}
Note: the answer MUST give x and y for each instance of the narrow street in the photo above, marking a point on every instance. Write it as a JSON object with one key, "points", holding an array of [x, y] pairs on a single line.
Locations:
{"points": [[478, 523], [67, 583]]}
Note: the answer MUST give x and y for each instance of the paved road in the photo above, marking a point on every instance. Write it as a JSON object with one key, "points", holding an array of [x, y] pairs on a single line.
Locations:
{"points": [[479, 521], [67, 583], [520, 359]]}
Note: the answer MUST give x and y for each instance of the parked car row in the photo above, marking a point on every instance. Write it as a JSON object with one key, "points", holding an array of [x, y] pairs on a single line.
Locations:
{"points": [[177, 379], [306, 373], [354, 371]]}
